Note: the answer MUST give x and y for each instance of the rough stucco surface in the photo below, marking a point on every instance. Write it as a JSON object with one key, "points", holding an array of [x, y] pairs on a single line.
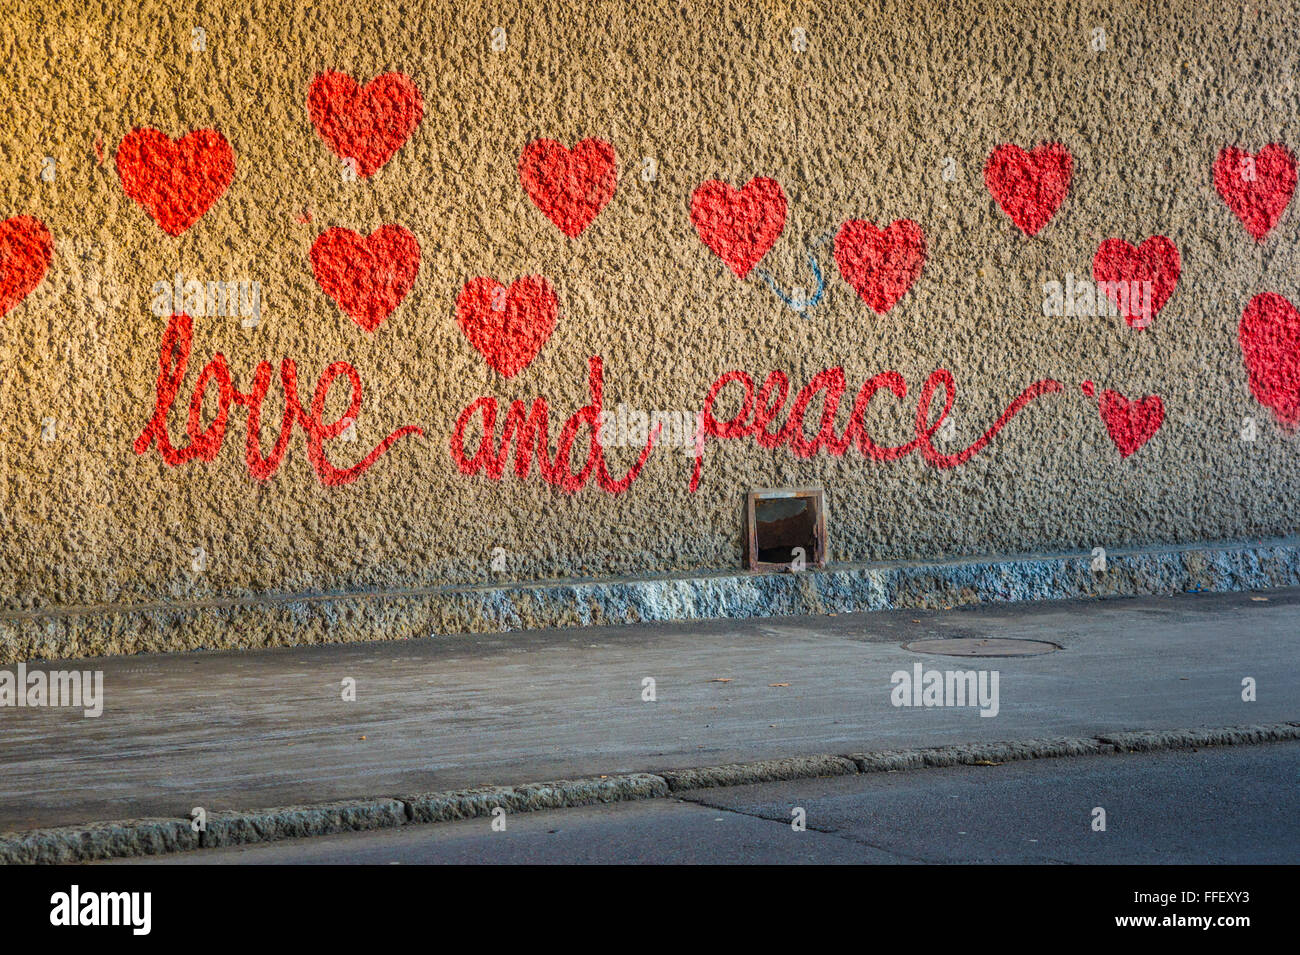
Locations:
{"points": [[860, 125]]}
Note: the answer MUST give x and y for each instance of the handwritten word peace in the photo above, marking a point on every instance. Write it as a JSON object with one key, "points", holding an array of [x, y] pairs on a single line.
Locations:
{"points": [[526, 431], [757, 411]]}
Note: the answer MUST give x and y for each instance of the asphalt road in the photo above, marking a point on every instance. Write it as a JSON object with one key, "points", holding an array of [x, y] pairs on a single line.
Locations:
{"points": [[1231, 805]]}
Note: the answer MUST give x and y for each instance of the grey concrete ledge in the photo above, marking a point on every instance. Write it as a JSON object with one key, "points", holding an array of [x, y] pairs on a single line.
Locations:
{"points": [[764, 771], [292, 822], [101, 840], [975, 754], [109, 840], [560, 794], [257, 621], [1148, 740]]}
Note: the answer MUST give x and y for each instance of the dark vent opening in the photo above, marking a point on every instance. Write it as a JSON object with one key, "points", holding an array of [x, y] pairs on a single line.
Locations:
{"points": [[786, 526]]}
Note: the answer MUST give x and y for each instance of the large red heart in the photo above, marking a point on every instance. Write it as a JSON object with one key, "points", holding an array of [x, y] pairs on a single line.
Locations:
{"points": [[26, 248], [366, 277], [1131, 423], [507, 326], [880, 264], [570, 186], [366, 124], [739, 225], [1139, 281], [1256, 188], [177, 181], [1269, 335], [1029, 186]]}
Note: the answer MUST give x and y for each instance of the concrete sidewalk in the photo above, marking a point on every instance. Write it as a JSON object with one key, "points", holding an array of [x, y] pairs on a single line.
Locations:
{"points": [[256, 729]]}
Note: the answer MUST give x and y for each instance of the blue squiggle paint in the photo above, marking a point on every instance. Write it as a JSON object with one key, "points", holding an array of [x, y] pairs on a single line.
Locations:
{"points": [[800, 305]]}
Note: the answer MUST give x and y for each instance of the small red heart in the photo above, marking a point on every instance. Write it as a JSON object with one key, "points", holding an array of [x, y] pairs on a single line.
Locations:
{"points": [[739, 225], [570, 186], [1029, 186], [26, 248], [366, 277], [368, 123], [1256, 188], [1131, 423], [177, 181], [880, 264], [508, 327], [1269, 335], [1139, 281]]}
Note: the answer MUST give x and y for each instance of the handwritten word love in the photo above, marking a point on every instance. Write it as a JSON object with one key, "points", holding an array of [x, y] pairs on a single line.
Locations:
{"points": [[205, 443], [757, 411]]}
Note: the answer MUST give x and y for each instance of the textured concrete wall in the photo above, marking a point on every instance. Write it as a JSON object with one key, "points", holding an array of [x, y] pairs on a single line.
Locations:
{"points": [[1128, 430]]}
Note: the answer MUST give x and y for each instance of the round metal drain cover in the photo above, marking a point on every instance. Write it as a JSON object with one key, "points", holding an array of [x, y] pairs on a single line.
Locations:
{"points": [[981, 647]]}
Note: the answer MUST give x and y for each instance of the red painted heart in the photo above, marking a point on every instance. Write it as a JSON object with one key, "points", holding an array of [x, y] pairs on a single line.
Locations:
{"points": [[1269, 335], [366, 124], [1029, 186], [880, 264], [507, 326], [1256, 188], [1131, 423], [366, 277], [1139, 281], [176, 181], [570, 186], [26, 248], [739, 225]]}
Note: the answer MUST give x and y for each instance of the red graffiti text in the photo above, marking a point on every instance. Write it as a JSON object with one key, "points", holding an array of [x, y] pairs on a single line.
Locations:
{"points": [[205, 443]]}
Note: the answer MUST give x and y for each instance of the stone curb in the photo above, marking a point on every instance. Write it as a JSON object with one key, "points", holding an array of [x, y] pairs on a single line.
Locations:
{"points": [[1143, 741], [234, 828], [99, 840], [137, 837], [764, 771], [560, 794], [976, 754]]}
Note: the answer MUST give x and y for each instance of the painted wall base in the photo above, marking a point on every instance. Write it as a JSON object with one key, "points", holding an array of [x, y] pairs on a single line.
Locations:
{"points": [[259, 622]]}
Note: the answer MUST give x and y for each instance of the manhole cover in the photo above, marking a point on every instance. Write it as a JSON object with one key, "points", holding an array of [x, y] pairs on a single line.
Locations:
{"points": [[981, 647]]}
